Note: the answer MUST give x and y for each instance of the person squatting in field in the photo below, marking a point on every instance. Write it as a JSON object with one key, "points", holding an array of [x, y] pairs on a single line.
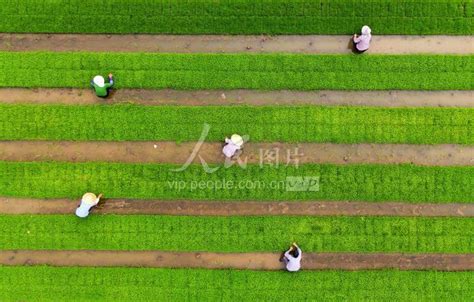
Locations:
{"points": [[362, 42], [100, 87], [232, 145], [292, 258], [88, 201]]}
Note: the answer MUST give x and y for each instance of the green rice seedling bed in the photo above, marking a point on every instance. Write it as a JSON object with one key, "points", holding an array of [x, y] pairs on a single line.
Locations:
{"points": [[237, 233], [237, 16], [40, 283], [261, 123], [360, 182], [234, 71]]}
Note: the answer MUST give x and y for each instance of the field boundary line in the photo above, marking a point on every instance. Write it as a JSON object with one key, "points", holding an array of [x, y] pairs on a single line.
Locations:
{"points": [[252, 261], [254, 153], [238, 208], [393, 98], [310, 44]]}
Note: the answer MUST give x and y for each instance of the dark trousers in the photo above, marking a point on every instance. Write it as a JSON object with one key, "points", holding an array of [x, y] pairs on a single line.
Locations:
{"points": [[355, 50]]}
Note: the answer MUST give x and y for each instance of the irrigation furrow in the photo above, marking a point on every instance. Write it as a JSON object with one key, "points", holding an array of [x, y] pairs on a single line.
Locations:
{"points": [[395, 98], [261, 153], [252, 261], [243, 208], [225, 43]]}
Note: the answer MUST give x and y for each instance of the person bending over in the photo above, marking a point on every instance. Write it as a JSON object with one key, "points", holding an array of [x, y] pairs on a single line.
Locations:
{"points": [[101, 88], [232, 145], [362, 42], [88, 201], [292, 258]]}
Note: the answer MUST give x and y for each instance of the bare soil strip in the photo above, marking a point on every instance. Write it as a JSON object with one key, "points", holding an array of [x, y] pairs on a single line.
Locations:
{"points": [[226, 44], [253, 261], [242, 97], [255, 153], [237, 208]]}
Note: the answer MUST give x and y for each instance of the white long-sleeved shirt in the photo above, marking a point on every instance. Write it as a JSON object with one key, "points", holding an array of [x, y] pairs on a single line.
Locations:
{"points": [[363, 42], [230, 148], [294, 263], [83, 210]]}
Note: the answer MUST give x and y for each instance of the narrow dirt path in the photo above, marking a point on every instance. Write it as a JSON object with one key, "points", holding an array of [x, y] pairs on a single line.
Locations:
{"points": [[237, 208], [253, 261], [242, 97], [224, 43], [256, 153]]}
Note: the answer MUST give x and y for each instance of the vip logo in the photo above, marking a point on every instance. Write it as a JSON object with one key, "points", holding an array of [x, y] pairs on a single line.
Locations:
{"points": [[302, 183]]}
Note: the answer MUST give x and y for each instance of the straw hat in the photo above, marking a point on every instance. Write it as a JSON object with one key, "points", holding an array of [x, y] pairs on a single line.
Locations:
{"points": [[366, 30], [237, 140], [99, 81], [89, 198]]}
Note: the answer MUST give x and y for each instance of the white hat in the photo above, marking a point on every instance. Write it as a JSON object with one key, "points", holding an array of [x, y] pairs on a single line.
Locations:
{"points": [[237, 140], [366, 30], [99, 81], [89, 199]]}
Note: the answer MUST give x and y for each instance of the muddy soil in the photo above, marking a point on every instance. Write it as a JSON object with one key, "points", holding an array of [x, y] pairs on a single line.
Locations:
{"points": [[242, 97], [229, 44], [252, 261], [237, 208], [255, 153]]}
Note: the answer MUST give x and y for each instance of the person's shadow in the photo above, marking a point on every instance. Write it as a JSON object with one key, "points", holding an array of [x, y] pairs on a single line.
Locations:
{"points": [[111, 93], [351, 45]]}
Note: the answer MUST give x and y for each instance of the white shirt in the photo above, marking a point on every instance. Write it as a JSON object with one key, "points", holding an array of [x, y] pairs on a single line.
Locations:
{"points": [[363, 42], [230, 149], [83, 210], [294, 264]]}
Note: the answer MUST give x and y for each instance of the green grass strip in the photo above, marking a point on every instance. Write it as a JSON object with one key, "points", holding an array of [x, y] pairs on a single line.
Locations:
{"points": [[405, 183], [262, 124], [41, 283], [237, 16], [237, 233], [233, 71]]}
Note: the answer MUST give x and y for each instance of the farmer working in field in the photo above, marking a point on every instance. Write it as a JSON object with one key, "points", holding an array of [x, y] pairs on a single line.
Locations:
{"points": [[362, 42], [292, 258], [232, 145], [101, 88], [88, 201]]}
